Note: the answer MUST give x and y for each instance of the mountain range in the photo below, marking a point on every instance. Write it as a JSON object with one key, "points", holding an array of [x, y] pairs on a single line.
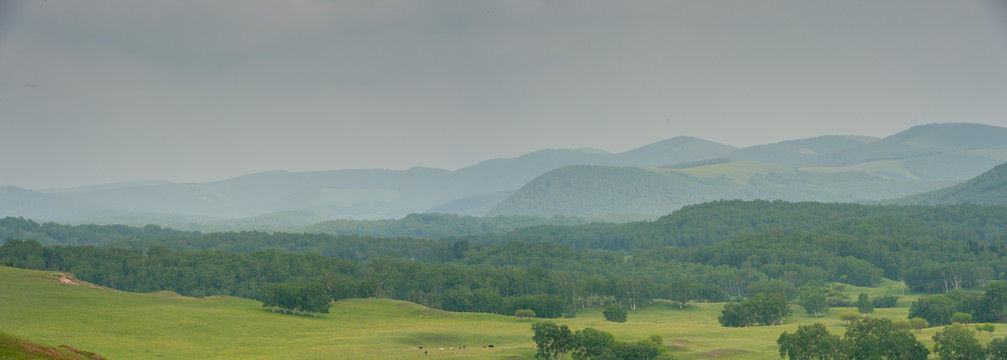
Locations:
{"points": [[652, 180]]}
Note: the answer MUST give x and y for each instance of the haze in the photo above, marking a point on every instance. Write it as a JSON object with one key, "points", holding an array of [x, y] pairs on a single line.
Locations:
{"points": [[191, 91]]}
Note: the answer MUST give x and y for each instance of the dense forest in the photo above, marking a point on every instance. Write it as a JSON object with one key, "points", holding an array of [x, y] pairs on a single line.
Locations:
{"points": [[712, 252]]}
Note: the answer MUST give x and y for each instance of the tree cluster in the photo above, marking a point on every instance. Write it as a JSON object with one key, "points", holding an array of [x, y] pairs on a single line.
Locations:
{"points": [[761, 309], [308, 298], [556, 341], [867, 338], [941, 308]]}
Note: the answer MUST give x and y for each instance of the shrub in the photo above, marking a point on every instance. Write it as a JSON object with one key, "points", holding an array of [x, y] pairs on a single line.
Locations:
{"points": [[614, 313]]}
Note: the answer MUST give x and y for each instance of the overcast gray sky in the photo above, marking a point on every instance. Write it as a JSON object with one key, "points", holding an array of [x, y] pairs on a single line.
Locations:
{"points": [[105, 91]]}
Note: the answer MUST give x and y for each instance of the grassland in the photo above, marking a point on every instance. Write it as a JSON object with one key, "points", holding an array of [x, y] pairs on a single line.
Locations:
{"points": [[37, 306]]}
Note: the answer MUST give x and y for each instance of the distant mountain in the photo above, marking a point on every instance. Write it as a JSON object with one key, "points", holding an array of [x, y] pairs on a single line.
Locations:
{"points": [[509, 174], [789, 153], [596, 190], [672, 151], [989, 188], [20, 202], [651, 179], [934, 152], [344, 193]]}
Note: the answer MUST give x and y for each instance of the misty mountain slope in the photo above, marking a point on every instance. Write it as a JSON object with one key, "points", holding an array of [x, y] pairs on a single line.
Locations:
{"points": [[20, 202], [509, 174], [477, 205], [989, 188], [791, 152], [835, 168], [349, 193], [672, 151], [924, 141], [596, 190]]}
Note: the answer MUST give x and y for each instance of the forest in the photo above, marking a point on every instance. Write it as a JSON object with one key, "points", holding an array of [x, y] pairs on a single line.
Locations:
{"points": [[721, 251]]}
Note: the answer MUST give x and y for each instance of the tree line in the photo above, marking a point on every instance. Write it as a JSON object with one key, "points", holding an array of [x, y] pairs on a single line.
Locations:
{"points": [[878, 338]]}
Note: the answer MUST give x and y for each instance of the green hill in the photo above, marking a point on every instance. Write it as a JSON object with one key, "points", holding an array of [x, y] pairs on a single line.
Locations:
{"points": [[14, 348], [989, 188], [595, 190]]}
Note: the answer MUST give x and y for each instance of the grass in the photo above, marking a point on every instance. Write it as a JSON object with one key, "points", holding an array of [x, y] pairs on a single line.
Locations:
{"points": [[118, 325], [13, 348]]}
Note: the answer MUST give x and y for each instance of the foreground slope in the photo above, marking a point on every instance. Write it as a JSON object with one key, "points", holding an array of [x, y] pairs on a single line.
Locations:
{"points": [[119, 325], [14, 348]]}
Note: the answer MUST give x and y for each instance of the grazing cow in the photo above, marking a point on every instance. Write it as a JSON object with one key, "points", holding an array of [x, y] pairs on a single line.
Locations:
{"points": [[491, 345]]}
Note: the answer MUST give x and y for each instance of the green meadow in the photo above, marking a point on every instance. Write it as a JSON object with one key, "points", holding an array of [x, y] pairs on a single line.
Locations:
{"points": [[37, 306]]}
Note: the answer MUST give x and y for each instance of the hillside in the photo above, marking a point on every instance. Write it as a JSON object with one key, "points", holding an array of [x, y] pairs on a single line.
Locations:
{"points": [[989, 188], [935, 152], [595, 190], [12, 347], [789, 153]]}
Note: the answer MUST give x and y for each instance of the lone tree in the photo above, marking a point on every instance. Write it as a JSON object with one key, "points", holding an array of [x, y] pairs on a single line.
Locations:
{"points": [[962, 318], [918, 323], [814, 302], [849, 317], [681, 291], [614, 313], [864, 304], [525, 313]]}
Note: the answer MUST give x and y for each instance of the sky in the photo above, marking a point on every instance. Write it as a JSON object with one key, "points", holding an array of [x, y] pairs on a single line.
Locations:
{"points": [[105, 91]]}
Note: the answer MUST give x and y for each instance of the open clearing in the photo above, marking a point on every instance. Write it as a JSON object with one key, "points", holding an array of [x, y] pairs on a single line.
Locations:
{"points": [[37, 305]]}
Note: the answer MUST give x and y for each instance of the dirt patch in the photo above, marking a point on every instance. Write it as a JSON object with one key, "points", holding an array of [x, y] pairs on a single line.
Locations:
{"points": [[171, 295], [68, 352], [85, 354], [723, 352], [67, 279]]}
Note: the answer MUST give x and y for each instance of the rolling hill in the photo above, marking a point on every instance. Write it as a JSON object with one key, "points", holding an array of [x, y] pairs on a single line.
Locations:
{"points": [[989, 188], [789, 153], [936, 151], [595, 190]]}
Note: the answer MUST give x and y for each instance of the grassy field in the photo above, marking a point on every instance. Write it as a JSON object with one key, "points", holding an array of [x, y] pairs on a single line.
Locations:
{"points": [[37, 306]]}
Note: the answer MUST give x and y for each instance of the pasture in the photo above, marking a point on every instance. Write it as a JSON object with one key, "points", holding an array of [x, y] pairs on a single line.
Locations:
{"points": [[37, 306]]}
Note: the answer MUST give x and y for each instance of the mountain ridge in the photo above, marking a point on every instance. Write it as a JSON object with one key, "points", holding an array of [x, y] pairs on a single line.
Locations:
{"points": [[921, 157]]}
